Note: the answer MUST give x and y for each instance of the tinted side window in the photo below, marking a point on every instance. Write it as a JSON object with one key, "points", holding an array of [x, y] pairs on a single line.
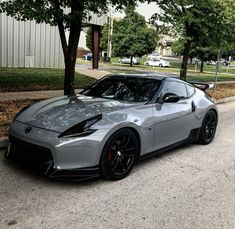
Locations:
{"points": [[190, 90], [176, 88], [133, 89]]}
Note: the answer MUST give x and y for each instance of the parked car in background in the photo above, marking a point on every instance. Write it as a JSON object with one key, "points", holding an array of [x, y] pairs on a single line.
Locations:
{"points": [[222, 62], [211, 62], [225, 62], [157, 62], [88, 56], [127, 60], [154, 55]]}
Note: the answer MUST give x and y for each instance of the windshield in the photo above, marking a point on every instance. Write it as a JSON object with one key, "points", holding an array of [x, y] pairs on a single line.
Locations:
{"points": [[126, 88]]}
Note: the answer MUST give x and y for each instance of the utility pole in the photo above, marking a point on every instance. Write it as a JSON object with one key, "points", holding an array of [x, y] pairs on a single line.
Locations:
{"points": [[110, 33], [196, 63], [217, 69]]}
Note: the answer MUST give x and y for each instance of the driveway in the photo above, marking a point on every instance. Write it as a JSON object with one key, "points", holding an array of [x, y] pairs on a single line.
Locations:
{"points": [[189, 187]]}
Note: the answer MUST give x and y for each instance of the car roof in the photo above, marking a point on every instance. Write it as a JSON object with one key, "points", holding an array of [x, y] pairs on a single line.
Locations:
{"points": [[149, 76]]}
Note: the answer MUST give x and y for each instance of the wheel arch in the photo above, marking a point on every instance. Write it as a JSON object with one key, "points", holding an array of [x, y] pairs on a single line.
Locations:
{"points": [[134, 130], [214, 109], [216, 112]]}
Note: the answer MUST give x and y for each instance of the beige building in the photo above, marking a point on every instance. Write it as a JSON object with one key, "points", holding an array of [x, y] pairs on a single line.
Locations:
{"points": [[165, 45]]}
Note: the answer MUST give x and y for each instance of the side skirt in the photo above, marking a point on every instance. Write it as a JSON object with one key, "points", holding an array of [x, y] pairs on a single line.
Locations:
{"points": [[193, 137]]}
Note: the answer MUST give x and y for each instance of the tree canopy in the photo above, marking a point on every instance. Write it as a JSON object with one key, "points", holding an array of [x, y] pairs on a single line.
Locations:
{"points": [[220, 37], [132, 36], [194, 21]]}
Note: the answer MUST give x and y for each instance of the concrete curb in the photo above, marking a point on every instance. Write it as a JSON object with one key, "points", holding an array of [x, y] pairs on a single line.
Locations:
{"points": [[226, 100], [4, 140]]}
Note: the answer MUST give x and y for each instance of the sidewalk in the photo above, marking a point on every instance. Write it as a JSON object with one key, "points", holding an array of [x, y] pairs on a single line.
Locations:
{"points": [[94, 73], [5, 96]]}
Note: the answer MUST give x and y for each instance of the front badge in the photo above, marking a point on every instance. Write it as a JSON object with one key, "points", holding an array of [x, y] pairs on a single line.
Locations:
{"points": [[27, 130]]}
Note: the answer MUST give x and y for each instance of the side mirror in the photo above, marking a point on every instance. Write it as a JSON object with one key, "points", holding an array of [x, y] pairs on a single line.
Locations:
{"points": [[171, 98]]}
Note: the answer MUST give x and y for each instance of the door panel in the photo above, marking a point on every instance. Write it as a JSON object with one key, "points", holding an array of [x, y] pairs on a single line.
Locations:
{"points": [[172, 121]]}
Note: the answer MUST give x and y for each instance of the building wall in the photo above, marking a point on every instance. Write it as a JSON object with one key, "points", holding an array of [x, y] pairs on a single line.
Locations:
{"points": [[27, 44], [165, 45]]}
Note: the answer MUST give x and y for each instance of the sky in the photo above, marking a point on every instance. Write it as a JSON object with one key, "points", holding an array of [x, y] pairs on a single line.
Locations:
{"points": [[145, 9]]}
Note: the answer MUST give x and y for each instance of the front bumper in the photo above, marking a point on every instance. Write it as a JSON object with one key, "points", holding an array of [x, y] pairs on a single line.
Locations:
{"points": [[66, 153], [40, 159]]}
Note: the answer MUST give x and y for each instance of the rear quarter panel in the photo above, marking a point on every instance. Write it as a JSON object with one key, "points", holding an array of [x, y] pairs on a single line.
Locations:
{"points": [[203, 105]]}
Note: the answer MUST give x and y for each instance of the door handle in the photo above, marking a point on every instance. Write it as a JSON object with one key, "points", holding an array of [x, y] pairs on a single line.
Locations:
{"points": [[193, 106]]}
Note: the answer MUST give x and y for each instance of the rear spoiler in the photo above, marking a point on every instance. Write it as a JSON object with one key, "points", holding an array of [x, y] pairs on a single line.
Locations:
{"points": [[202, 86]]}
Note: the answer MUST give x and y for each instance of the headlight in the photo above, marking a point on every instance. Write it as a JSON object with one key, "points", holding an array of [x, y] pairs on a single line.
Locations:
{"points": [[19, 112], [82, 129]]}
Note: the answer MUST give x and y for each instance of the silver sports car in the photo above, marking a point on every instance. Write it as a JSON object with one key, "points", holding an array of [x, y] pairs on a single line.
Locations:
{"points": [[111, 125]]}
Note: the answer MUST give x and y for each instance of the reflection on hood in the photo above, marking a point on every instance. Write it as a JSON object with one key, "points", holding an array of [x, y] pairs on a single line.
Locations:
{"points": [[60, 114]]}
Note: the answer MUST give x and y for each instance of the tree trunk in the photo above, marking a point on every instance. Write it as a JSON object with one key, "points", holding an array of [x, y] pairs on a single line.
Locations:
{"points": [[70, 49], [191, 60], [184, 65], [131, 59], [202, 66]]}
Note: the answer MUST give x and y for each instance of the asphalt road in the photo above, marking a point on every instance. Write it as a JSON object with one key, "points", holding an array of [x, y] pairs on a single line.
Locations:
{"points": [[189, 187]]}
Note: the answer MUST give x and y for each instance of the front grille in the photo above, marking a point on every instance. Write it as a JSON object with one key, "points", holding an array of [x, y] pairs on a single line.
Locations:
{"points": [[29, 153]]}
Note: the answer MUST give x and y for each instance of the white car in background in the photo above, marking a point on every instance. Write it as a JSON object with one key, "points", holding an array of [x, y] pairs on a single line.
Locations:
{"points": [[127, 60], [154, 55], [157, 62]]}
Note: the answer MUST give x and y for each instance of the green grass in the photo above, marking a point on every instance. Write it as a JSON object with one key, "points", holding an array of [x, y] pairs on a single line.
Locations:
{"points": [[30, 79], [210, 78]]}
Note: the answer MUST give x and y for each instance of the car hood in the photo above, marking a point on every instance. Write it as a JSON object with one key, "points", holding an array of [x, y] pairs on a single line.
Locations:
{"points": [[61, 113]]}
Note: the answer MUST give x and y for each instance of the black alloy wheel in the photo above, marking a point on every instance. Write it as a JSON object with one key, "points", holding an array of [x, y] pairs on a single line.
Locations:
{"points": [[208, 128], [119, 155]]}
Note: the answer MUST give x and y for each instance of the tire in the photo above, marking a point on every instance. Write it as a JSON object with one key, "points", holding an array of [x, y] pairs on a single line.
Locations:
{"points": [[147, 64], [160, 65], [208, 128], [119, 155]]}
